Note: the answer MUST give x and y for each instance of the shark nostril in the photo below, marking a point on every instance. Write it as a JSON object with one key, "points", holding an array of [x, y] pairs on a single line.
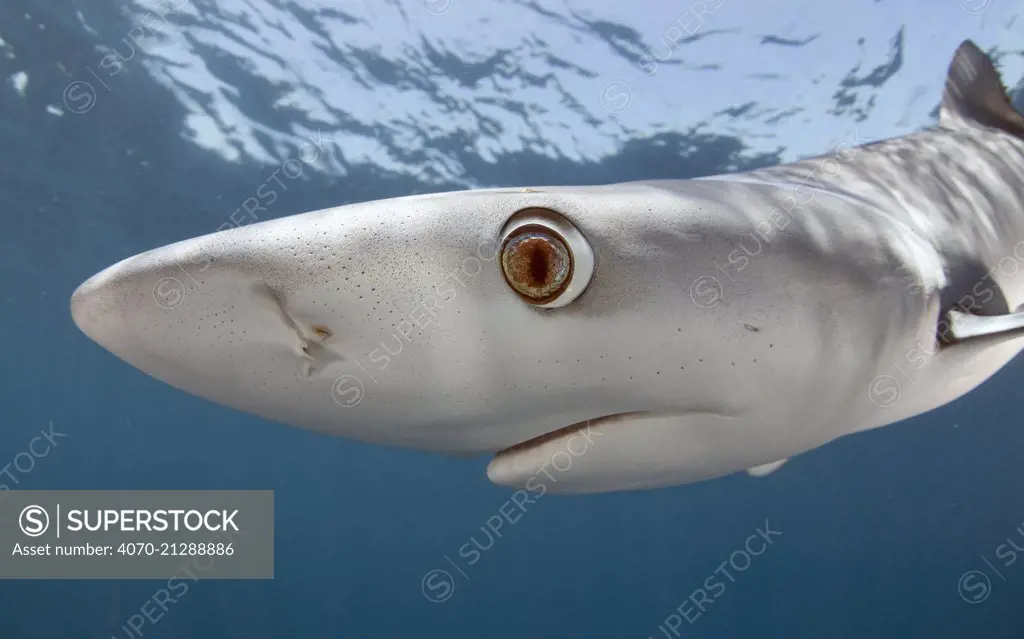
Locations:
{"points": [[322, 331]]}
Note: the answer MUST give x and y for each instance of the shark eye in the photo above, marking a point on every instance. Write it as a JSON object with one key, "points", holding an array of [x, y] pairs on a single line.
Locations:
{"points": [[544, 258], [536, 263]]}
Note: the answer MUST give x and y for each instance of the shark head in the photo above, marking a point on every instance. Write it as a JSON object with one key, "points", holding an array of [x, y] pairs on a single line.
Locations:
{"points": [[464, 323], [592, 338]]}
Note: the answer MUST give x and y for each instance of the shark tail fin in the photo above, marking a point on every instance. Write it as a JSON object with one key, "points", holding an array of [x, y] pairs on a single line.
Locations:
{"points": [[975, 94]]}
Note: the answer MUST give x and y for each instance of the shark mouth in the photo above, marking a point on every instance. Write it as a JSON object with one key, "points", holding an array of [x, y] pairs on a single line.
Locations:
{"points": [[637, 450], [562, 435], [514, 465]]}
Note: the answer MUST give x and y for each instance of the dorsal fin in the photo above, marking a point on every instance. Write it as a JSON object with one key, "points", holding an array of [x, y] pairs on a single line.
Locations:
{"points": [[975, 94]]}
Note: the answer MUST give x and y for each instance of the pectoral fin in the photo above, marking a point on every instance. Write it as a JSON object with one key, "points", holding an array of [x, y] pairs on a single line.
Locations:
{"points": [[963, 326], [766, 469]]}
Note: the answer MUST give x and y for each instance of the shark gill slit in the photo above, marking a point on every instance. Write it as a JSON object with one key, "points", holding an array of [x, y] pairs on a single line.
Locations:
{"points": [[313, 353]]}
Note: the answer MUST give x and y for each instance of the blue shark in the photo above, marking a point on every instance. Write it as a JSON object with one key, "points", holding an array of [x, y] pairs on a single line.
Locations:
{"points": [[626, 336]]}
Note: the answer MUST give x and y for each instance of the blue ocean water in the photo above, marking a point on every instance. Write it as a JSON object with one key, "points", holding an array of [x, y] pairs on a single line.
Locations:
{"points": [[913, 530]]}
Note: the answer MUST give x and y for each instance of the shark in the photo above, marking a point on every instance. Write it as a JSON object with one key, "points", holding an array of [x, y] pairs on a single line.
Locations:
{"points": [[612, 337]]}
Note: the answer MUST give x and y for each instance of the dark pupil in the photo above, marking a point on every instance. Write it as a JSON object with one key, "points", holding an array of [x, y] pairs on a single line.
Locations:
{"points": [[538, 259]]}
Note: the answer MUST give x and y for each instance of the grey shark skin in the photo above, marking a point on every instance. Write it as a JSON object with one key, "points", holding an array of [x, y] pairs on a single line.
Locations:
{"points": [[705, 326]]}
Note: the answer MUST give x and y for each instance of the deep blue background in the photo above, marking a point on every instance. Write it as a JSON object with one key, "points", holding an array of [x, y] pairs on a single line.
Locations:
{"points": [[877, 528]]}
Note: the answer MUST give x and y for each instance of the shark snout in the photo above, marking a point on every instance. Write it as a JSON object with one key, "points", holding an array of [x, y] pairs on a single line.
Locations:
{"points": [[215, 323], [137, 296], [97, 305], [152, 305]]}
